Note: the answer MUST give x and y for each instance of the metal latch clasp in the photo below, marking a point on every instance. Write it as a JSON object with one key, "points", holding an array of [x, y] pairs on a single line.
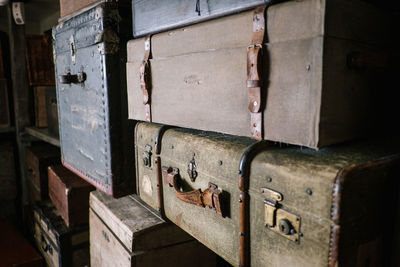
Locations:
{"points": [[147, 156], [277, 219]]}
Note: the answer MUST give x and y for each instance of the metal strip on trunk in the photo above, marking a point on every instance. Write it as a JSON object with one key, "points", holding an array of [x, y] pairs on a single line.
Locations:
{"points": [[145, 78], [244, 200]]}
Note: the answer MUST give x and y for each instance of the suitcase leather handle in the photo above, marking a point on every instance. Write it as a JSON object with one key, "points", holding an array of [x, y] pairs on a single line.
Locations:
{"points": [[211, 197]]}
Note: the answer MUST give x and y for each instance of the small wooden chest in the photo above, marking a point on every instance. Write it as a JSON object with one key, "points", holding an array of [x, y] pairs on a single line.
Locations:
{"points": [[126, 232], [70, 195], [39, 156], [60, 245], [15, 250]]}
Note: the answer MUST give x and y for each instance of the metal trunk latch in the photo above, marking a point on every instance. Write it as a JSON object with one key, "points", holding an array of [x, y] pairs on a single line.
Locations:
{"points": [[192, 170], [147, 156], [278, 220]]}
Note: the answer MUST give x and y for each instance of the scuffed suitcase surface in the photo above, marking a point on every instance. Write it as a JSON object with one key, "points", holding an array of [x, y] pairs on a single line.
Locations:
{"points": [[336, 193], [172, 14], [311, 95], [92, 108]]}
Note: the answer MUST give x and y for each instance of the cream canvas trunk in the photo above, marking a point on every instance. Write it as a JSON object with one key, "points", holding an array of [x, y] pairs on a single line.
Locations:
{"points": [[301, 207], [314, 92]]}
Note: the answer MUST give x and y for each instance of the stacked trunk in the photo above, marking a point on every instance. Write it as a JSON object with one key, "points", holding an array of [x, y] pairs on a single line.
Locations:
{"points": [[287, 207]]}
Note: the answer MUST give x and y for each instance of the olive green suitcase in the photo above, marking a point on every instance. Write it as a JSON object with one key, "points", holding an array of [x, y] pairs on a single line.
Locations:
{"points": [[288, 206]]}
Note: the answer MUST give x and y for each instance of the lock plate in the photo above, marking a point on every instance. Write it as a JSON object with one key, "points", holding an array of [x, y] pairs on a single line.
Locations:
{"points": [[146, 156], [282, 220]]}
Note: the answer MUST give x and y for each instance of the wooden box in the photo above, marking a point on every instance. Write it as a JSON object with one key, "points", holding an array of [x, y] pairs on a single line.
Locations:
{"points": [[39, 94], [286, 206], [60, 245], [39, 156], [15, 251], [70, 195], [8, 178], [126, 232], [95, 134], [67, 7], [4, 107], [310, 80], [39, 58], [52, 112]]}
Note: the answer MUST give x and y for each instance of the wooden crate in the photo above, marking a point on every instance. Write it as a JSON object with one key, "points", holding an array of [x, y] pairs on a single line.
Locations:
{"points": [[126, 232], [39, 156], [70, 195], [60, 245]]}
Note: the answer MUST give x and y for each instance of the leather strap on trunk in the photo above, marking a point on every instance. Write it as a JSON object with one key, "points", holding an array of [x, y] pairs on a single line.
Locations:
{"points": [[145, 77], [254, 81]]}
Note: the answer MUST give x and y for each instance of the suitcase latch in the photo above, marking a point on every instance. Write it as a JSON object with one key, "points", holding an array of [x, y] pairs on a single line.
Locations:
{"points": [[277, 219], [147, 156], [192, 169]]}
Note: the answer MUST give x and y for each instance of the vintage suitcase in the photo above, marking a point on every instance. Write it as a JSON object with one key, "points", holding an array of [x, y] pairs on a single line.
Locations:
{"points": [[90, 51], [8, 178], [310, 77], [60, 245], [39, 156], [70, 195], [172, 14], [39, 60], [15, 250], [126, 232], [39, 93], [51, 109], [4, 107], [287, 206]]}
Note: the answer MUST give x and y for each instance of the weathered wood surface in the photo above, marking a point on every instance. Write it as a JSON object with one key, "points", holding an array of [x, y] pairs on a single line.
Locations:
{"points": [[60, 245], [124, 232], [15, 250], [68, 7], [69, 194], [8, 178], [4, 106], [43, 134], [310, 182], [52, 111], [39, 55], [304, 64], [39, 93], [38, 157]]}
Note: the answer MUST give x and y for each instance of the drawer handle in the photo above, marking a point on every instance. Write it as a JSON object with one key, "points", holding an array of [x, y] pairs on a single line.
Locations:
{"points": [[211, 197]]}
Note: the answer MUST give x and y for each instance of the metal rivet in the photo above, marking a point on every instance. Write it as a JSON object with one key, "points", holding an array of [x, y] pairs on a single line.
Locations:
{"points": [[301, 234], [309, 191], [269, 179], [255, 103], [262, 190], [219, 162], [241, 234], [308, 67], [240, 201], [172, 146]]}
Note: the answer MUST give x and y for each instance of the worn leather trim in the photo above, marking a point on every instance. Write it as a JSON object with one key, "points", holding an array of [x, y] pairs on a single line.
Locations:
{"points": [[340, 180], [244, 200], [254, 78], [145, 78]]}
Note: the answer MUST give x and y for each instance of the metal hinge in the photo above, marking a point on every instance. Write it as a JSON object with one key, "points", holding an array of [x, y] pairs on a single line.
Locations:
{"points": [[278, 220]]}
